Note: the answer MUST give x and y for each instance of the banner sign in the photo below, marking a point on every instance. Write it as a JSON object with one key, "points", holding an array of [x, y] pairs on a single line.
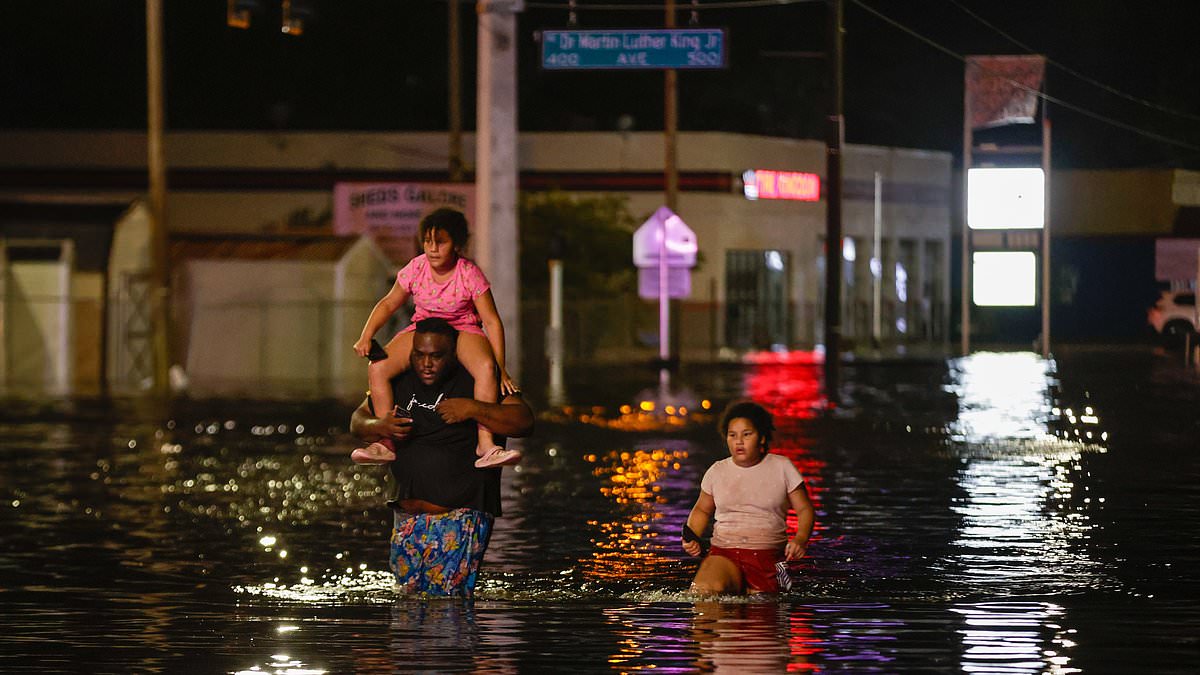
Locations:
{"points": [[1176, 259], [1003, 89], [391, 212]]}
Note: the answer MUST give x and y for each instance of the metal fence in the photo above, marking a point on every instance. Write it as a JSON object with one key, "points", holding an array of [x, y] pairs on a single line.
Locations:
{"points": [[287, 349]]}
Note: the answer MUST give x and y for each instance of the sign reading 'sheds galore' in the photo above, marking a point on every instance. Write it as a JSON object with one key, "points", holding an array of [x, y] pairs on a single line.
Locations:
{"points": [[391, 212]]}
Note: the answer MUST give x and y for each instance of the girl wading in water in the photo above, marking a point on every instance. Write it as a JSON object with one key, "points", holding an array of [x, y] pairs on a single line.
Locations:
{"points": [[749, 494]]}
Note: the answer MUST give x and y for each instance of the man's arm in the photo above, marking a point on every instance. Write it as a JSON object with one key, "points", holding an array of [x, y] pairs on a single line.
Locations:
{"points": [[368, 427], [511, 417]]}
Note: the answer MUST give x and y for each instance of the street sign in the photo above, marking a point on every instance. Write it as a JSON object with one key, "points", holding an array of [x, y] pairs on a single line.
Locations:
{"points": [[679, 283], [640, 49], [680, 247]]}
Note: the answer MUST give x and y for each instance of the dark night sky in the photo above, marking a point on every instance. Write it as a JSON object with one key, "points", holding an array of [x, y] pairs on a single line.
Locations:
{"points": [[381, 65]]}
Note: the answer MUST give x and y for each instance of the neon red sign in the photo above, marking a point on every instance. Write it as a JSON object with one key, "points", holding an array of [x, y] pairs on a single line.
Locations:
{"points": [[769, 184]]}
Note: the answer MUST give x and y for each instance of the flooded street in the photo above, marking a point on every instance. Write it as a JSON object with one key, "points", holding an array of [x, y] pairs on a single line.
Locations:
{"points": [[997, 513]]}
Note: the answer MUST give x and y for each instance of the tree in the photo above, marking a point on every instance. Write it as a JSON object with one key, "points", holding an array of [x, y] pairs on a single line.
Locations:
{"points": [[596, 234]]}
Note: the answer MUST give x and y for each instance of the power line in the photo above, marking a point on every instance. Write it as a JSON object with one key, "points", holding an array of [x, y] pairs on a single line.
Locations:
{"points": [[1042, 95], [1071, 71]]}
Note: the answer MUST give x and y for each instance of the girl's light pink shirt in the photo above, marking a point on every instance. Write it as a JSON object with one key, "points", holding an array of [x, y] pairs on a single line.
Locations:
{"points": [[752, 502], [452, 299]]}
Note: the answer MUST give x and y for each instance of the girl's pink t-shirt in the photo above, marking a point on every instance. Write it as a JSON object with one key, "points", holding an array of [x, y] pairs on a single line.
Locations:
{"points": [[452, 299]]}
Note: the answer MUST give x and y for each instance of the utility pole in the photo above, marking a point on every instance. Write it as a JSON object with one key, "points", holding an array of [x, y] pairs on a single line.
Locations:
{"points": [[670, 125], [964, 340], [671, 185], [156, 167], [496, 162], [833, 209]]}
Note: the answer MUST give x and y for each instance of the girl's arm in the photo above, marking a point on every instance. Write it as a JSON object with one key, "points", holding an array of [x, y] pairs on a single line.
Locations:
{"points": [[798, 498], [699, 519], [485, 304], [384, 309]]}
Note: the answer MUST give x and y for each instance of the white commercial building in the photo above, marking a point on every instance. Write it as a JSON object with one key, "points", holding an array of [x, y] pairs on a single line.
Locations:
{"points": [[759, 285]]}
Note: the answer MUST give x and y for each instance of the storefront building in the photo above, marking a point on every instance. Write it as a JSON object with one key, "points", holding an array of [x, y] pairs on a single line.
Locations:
{"points": [[760, 281]]}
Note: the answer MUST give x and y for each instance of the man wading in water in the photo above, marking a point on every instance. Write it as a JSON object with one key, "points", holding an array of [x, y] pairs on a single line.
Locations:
{"points": [[443, 506]]}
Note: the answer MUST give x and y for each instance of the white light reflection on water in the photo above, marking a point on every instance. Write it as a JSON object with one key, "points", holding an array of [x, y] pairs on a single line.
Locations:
{"points": [[368, 586], [1023, 524], [1020, 521], [1002, 396], [281, 664], [1014, 637]]}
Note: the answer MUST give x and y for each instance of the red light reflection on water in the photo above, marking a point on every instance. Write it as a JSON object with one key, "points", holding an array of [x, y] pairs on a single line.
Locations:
{"points": [[789, 385]]}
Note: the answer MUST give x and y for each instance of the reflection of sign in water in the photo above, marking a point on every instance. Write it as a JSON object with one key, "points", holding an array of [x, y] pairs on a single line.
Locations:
{"points": [[391, 212]]}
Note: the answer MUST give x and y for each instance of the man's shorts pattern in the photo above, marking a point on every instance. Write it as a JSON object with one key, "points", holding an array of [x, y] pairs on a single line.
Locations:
{"points": [[439, 554]]}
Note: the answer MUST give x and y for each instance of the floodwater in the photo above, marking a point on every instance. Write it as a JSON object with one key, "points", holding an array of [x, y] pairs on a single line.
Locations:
{"points": [[997, 513]]}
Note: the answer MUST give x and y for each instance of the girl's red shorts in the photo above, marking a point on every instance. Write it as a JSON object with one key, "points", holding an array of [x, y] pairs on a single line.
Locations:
{"points": [[757, 566]]}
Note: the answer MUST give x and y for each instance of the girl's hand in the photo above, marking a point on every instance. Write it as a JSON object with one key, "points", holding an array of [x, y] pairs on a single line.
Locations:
{"points": [[507, 386], [795, 550], [691, 547], [363, 346]]}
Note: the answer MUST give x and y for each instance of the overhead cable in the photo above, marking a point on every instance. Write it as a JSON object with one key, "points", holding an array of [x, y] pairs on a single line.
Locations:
{"points": [[1071, 71], [1040, 94]]}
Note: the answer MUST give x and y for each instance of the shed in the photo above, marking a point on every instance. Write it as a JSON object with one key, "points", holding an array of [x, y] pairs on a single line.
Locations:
{"points": [[273, 315]]}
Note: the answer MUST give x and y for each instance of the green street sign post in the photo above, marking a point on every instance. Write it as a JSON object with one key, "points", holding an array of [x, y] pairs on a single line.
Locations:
{"points": [[649, 49]]}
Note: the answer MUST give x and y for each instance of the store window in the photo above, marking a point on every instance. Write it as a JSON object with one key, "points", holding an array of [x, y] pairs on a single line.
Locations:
{"points": [[757, 299]]}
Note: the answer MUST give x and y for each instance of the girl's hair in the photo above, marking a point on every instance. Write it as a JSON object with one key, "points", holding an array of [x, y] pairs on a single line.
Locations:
{"points": [[758, 416], [452, 222]]}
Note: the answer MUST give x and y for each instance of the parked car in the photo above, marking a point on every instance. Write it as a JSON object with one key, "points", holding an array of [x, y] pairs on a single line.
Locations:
{"points": [[1174, 316]]}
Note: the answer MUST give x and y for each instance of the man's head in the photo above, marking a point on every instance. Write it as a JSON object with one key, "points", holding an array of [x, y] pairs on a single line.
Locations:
{"points": [[433, 353]]}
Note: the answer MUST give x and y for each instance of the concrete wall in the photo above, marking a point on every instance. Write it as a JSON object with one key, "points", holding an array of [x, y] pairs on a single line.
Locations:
{"points": [[1112, 202]]}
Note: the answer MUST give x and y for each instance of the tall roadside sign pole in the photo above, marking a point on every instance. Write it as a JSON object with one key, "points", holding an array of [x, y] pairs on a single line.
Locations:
{"points": [[833, 208], [1006, 191], [1046, 233], [157, 169]]}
